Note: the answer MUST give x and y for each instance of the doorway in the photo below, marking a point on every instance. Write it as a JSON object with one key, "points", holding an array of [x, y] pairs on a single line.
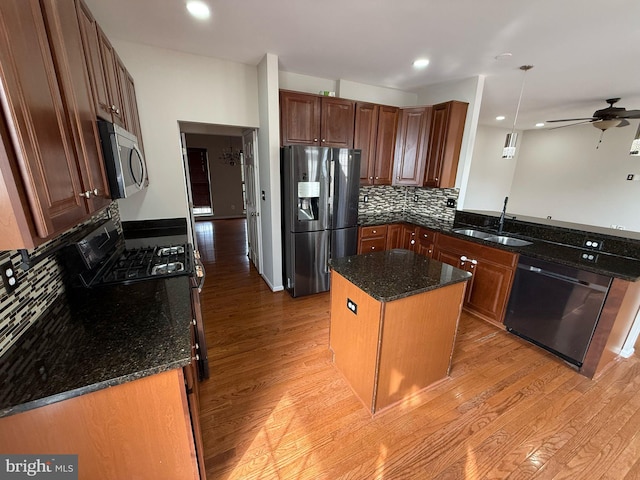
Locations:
{"points": [[200, 181], [222, 177]]}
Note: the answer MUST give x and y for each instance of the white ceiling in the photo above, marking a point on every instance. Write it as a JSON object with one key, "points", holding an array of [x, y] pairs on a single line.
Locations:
{"points": [[584, 51]]}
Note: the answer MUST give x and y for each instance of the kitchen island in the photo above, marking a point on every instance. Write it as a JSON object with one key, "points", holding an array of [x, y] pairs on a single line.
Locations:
{"points": [[394, 317]]}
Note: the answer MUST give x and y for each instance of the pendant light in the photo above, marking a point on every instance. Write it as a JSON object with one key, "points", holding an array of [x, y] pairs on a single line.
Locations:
{"points": [[635, 145], [509, 149]]}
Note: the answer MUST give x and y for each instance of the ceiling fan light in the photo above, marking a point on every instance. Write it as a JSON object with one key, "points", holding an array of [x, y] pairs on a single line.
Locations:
{"points": [[606, 124], [635, 145], [509, 150]]}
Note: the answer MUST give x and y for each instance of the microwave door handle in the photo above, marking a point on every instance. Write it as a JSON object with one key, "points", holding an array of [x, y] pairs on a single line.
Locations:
{"points": [[143, 167]]}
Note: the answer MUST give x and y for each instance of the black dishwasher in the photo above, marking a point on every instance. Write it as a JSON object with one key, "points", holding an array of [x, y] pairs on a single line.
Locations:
{"points": [[556, 307]]}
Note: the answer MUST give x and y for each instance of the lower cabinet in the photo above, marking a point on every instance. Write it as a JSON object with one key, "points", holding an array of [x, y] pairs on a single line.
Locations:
{"points": [[493, 271], [138, 429], [397, 235]]}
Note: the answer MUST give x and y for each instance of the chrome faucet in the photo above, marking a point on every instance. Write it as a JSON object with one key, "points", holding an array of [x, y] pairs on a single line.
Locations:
{"points": [[502, 215]]}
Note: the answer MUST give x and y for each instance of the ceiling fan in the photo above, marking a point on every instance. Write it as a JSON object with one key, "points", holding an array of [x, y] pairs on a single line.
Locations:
{"points": [[605, 117]]}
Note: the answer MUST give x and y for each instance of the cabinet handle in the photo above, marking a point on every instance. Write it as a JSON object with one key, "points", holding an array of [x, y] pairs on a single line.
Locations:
{"points": [[323, 140], [315, 139], [377, 178], [370, 178], [474, 262], [463, 258], [86, 194], [95, 192], [413, 242], [373, 248], [398, 177], [436, 179], [193, 321], [374, 231]]}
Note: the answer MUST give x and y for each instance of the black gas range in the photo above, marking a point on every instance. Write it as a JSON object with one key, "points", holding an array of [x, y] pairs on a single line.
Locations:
{"points": [[101, 256]]}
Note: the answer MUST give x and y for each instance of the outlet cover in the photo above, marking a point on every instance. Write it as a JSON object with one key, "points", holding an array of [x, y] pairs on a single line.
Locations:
{"points": [[9, 276], [451, 202]]}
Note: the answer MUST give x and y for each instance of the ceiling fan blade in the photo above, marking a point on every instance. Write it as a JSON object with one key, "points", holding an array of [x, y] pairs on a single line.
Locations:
{"points": [[623, 123], [572, 124], [629, 114], [572, 120]]}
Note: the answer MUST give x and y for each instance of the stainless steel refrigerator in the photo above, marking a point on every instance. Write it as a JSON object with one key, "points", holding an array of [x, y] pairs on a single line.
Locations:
{"points": [[320, 210]]}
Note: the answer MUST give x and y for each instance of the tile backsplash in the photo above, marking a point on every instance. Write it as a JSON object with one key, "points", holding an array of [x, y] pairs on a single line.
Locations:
{"points": [[424, 201], [38, 287]]}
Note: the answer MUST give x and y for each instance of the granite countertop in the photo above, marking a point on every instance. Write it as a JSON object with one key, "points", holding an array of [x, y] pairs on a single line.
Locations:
{"points": [[396, 274], [90, 339], [619, 266]]}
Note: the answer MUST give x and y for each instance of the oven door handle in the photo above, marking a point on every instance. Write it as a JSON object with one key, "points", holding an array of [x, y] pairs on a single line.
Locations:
{"points": [[200, 271]]}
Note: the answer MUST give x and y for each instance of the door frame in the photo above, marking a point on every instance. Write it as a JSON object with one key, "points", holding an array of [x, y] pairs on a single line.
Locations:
{"points": [[251, 137]]}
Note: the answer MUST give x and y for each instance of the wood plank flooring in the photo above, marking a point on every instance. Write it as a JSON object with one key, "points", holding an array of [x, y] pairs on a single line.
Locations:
{"points": [[276, 408]]}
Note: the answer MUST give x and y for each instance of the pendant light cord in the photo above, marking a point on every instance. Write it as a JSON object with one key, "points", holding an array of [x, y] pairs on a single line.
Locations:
{"points": [[525, 69]]}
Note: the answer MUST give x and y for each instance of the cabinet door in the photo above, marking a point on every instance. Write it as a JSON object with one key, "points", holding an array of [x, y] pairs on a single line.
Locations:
{"points": [[490, 291], [394, 236], [337, 122], [110, 67], [364, 138], [426, 240], [385, 144], [93, 58], [410, 146], [68, 55], [299, 119], [36, 119], [131, 109], [445, 142], [409, 237]]}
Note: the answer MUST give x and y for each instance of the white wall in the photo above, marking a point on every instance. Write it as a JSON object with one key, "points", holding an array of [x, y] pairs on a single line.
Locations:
{"points": [[305, 83], [269, 167], [373, 94], [173, 86], [467, 90], [490, 176], [560, 173]]}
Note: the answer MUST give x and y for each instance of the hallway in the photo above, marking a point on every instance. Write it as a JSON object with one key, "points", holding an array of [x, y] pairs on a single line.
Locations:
{"points": [[275, 407]]}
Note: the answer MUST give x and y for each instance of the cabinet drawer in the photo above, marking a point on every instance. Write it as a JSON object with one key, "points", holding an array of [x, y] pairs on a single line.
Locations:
{"points": [[376, 244], [472, 249], [375, 231]]}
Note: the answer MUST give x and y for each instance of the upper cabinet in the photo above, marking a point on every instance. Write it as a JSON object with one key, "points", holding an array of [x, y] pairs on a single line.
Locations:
{"points": [[375, 134], [445, 141], [307, 119], [411, 146], [45, 182], [52, 174]]}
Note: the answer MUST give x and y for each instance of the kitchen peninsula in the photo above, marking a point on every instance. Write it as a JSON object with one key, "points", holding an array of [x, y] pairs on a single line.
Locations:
{"points": [[394, 317]]}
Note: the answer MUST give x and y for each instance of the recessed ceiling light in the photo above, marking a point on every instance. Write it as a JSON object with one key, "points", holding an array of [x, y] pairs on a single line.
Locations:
{"points": [[541, 124], [421, 63], [198, 9], [500, 117], [503, 56]]}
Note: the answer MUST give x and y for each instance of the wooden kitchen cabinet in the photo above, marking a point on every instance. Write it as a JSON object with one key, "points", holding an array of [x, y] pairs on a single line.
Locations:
{"points": [[492, 269], [132, 118], [48, 153], [372, 239], [111, 71], [375, 135], [445, 141], [411, 146], [307, 119], [394, 236], [138, 429], [425, 242]]}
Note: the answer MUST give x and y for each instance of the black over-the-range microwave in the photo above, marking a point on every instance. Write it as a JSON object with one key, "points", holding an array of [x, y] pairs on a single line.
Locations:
{"points": [[124, 163]]}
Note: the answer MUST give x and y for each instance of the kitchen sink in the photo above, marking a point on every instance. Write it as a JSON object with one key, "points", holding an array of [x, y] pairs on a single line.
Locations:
{"points": [[505, 240], [473, 233]]}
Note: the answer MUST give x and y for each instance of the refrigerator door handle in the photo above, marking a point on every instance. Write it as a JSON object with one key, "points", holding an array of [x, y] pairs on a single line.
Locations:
{"points": [[327, 268], [332, 167]]}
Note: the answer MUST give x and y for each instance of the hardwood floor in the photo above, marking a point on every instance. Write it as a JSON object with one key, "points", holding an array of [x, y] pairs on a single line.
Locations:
{"points": [[276, 408]]}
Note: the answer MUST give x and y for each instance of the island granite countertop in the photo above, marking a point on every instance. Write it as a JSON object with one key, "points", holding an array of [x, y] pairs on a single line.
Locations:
{"points": [[395, 274], [94, 338]]}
